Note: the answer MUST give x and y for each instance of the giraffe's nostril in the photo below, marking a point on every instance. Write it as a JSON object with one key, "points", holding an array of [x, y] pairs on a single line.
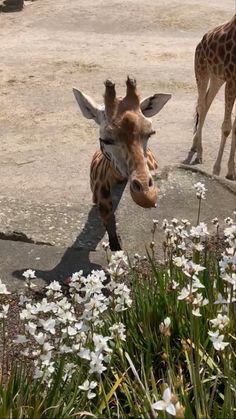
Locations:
{"points": [[136, 186], [150, 184]]}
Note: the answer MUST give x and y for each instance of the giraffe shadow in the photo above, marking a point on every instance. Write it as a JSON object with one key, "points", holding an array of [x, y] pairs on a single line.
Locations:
{"points": [[77, 256]]}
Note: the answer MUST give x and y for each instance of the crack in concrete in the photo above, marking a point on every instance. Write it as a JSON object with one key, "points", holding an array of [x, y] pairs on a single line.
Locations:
{"points": [[18, 236]]}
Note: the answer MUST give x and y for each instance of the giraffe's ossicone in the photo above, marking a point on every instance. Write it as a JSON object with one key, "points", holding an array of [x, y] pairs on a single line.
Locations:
{"points": [[124, 129]]}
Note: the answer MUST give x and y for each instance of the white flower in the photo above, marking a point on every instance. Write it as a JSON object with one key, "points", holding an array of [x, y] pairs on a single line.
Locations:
{"points": [[198, 246], [165, 327], [20, 339], [44, 307], [185, 292], [199, 231], [196, 312], [25, 352], [5, 308], [40, 338], [167, 322], [230, 234], [220, 321], [91, 395], [88, 386], [122, 297], [64, 349], [96, 365], [220, 299], [100, 343], [85, 354], [118, 257], [118, 264], [3, 288], [47, 347], [165, 224], [93, 284], [65, 317], [29, 274], [46, 358], [182, 246], [200, 190], [48, 325], [192, 269], [105, 245], [23, 299], [174, 285], [197, 284], [228, 221], [96, 305], [71, 331], [180, 261], [199, 300], [54, 286], [165, 404], [26, 314], [118, 330], [217, 340], [31, 327], [185, 222], [38, 373], [215, 221]]}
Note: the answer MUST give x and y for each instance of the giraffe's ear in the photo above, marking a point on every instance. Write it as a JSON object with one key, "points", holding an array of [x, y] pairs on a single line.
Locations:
{"points": [[153, 104], [88, 106]]}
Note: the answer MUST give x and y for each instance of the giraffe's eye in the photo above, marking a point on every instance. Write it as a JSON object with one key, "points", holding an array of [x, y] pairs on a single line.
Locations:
{"points": [[107, 141]]}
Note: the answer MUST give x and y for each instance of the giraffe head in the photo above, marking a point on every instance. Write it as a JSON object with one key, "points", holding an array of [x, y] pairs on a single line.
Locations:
{"points": [[125, 127]]}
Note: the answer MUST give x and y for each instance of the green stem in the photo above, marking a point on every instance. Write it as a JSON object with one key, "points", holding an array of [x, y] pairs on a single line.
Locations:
{"points": [[199, 210], [227, 411], [193, 368]]}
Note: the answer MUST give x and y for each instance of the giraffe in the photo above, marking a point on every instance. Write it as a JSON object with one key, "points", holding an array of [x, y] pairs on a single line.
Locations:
{"points": [[215, 64], [124, 129]]}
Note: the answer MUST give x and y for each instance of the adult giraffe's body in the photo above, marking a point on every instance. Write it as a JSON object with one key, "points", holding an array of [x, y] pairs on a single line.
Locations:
{"points": [[215, 64], [125, 128]]}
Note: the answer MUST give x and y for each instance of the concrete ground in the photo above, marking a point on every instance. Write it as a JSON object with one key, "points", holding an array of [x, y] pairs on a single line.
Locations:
{"points": [[46, 145]]}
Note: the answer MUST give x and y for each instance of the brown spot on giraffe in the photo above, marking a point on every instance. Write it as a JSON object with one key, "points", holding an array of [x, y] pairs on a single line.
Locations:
{"points": [[215, 65], [125, 127]]}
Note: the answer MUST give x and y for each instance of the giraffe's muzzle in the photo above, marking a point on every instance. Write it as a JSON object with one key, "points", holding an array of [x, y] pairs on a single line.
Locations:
{"points": [[143, 194]]}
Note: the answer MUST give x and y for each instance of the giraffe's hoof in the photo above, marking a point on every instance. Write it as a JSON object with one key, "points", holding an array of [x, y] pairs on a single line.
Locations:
{"points": [[186, 161], [115, 243], [131, 82], [231, 177], [216, 172], [198, 160], [109, 83]]}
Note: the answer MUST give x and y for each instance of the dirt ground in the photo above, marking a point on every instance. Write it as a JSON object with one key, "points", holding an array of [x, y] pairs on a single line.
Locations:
{"points": [[48, 48]]}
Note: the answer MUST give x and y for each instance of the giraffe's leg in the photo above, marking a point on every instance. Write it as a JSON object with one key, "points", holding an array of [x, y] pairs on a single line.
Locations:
{"points": [[215, 85], [101, 180], [202, 79], [203, 107], [108, 217], [104, 201], [231, 163], [205, 98], [225, 130]]}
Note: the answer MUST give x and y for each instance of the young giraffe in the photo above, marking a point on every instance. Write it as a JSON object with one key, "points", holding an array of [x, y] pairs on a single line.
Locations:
{"points": [[215, 64], [125, 127]]}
